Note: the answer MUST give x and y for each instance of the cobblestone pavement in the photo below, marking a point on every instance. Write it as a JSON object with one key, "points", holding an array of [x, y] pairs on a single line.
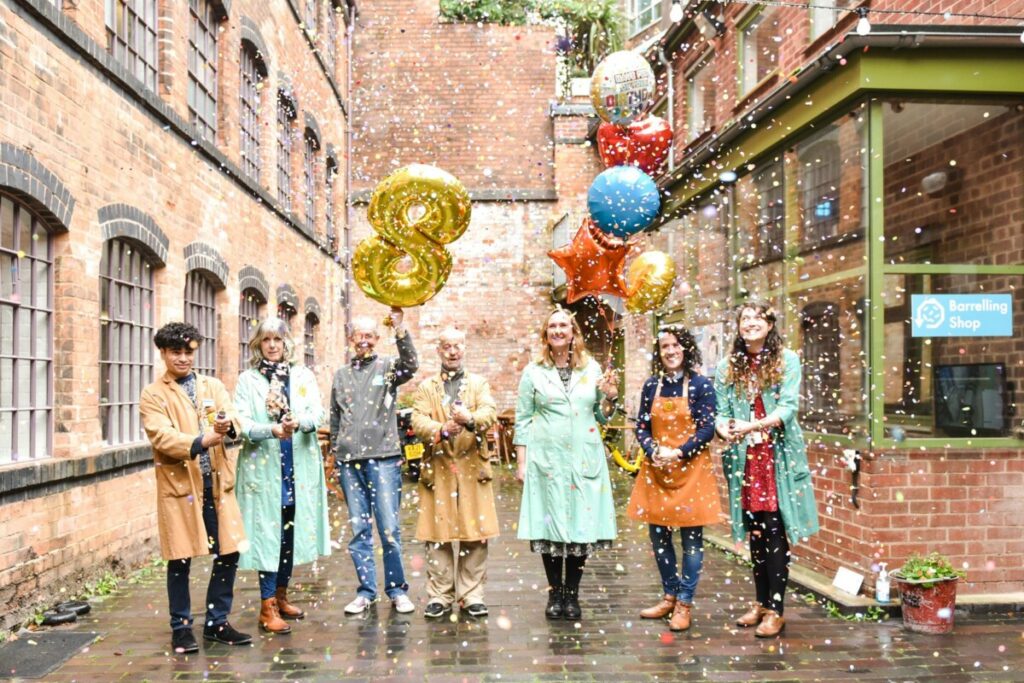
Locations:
{"points": [[516, 643]]}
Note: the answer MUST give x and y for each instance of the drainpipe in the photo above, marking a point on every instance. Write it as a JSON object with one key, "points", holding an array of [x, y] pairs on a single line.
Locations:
{"points": [[667, 63], [350, 29]]}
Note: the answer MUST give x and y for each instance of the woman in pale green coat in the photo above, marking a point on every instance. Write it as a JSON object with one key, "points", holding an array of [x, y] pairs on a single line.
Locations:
{"points": [[567, 508], [280, 485], [771, 495]]}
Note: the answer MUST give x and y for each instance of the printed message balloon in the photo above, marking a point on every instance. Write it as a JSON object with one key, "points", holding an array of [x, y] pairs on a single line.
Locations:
{"points": [[622, 87], [415, 211], [623, 200], [644, 143], [651, 276]]}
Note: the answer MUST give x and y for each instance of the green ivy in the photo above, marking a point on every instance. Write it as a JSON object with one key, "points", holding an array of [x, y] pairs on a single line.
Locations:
{"points": [[504, 12]]}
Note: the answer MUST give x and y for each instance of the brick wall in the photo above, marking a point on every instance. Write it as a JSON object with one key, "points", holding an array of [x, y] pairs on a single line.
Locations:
{"points": [[109, 141]]}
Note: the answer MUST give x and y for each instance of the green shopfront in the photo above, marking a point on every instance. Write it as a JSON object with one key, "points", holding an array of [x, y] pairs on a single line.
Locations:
{"points": [[886, 190]]}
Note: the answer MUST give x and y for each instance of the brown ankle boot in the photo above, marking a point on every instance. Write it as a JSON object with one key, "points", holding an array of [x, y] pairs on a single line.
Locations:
{"points": [[680, 620], [771, 625], [270, 620], [752, 617], [286, 609], [661, 610]]}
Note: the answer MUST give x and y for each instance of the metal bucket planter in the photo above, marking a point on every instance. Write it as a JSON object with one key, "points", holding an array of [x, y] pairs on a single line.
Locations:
{"points": [[927, 605]]}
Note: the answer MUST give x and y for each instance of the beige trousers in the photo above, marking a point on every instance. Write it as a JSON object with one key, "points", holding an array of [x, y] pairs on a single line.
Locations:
{"points": [[447, 582]]}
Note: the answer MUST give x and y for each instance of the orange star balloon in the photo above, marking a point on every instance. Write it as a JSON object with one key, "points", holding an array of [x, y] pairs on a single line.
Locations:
{"points": [[592, 266]]}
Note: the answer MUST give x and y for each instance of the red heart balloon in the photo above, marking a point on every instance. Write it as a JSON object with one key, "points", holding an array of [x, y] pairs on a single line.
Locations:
{"points": [[642, 143]]}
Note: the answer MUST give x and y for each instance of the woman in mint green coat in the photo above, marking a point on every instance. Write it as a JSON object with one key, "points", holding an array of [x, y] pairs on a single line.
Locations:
{"points": [[280, 484], [771, 495], [567, 508]]}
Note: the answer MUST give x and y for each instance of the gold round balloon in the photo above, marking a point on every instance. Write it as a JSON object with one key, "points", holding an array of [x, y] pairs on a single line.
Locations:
{"points": [[415, 211], [622, 87], [650, 276]]}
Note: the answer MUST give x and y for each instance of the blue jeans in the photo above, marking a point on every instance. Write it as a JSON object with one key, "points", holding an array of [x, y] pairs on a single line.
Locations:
{"points": [[683, 587], [373, 490], [219, 592], [271, 581]]}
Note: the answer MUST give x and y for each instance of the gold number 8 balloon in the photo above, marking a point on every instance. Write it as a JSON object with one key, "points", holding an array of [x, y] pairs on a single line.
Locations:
{"points": [[415, 211]]}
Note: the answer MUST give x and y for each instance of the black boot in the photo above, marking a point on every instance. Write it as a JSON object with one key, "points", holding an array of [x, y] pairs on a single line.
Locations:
{"points": [[555, 607], [571, 610]]}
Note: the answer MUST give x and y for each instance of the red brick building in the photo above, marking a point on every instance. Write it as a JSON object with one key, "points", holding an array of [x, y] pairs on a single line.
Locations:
{"points": [[159, 160]]}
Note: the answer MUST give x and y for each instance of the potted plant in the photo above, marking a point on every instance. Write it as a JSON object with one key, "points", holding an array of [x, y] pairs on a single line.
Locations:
{"points": [[928, 592], [588, 31]]}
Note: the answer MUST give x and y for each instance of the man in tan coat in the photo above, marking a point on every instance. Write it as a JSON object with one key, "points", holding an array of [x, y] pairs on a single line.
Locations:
{"points": [[451, 414], [186, 417]]}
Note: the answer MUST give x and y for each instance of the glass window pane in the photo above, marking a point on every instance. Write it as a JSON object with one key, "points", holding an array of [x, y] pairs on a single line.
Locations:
{"points": [[960, 386], [41, 376], [6, 437], [6, 330], [6, 383], [8, 275], [952, 182]]}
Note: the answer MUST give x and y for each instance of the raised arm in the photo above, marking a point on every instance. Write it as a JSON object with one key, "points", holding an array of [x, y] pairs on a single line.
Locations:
{"points": [[406, 365]]}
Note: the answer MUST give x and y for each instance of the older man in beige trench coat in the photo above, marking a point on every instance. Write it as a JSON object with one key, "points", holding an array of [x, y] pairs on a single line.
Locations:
{"points": [[451, 414]]}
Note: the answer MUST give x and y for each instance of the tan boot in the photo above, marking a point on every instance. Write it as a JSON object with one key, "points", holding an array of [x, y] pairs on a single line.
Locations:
{"points": [[771, 625], [286, 609], [752, 617], [661, 610], [680, 620], [270, 619]]}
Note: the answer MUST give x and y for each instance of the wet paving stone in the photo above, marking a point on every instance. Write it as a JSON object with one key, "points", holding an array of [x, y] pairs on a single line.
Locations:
{"points": [[516, 642]]}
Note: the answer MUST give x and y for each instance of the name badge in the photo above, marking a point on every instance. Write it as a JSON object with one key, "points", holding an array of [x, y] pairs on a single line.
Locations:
{"points": [[378, 380], [756, 438]]}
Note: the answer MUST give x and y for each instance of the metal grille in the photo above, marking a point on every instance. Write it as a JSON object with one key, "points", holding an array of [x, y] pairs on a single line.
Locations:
{"points": [[26, 339], [286, 313], [820, 171], [248, 319], [126, 334], [253, 71], [201, 311], [309, 179], [202, 68], [771, 213], [821, 357], [285, 116], [131, 37], [332, 38], [309, 339]]}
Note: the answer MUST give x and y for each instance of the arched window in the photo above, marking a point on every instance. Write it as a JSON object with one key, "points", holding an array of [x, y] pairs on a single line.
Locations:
{"points": [[310, 152], [249, 314], [201, 311], [287, 313], [309, 339], [131, 37], [126, 334], [820, 179], [820, 323], [202, 66], [253, 70], [286, 113], [26, 336]]}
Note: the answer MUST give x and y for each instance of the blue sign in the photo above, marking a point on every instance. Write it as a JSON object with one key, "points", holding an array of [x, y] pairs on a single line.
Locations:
{"points": [[961, 315]]}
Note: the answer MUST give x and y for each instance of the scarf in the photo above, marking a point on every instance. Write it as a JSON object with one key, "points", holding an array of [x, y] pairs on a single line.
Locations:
{"points": [[277, 396]]}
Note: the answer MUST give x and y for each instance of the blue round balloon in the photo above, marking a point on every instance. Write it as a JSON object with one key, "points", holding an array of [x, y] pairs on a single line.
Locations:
{"points": [[623, 200]]}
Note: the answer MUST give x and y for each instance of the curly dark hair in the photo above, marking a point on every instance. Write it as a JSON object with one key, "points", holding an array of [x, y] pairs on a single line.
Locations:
{"points": [[769, 369], [691, 354], [177, 336]]}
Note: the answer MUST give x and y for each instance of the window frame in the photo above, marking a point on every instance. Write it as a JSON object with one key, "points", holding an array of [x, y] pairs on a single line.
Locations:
{"points": [[125, 269], [705, 61], [752, 21], [816, 232], [310, 168], [203, 115], [253, 72], [816, 359], [638, 8], [330, 173], [26, 304], [310, 325], [250, 312], [287, 113], [201, 311], [124, 36]]}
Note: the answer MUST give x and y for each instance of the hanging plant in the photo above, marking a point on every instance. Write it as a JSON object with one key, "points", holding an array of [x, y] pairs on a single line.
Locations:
{"points": [[504, 12], [593, 29]]}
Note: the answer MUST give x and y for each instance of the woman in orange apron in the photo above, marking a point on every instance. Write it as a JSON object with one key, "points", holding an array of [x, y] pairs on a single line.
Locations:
{"points": [[675, 487]]}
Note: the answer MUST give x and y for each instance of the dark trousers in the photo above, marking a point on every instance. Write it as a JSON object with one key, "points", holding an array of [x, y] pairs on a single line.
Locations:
{"points": [[769, 551], [220, 590], [271, 581]]}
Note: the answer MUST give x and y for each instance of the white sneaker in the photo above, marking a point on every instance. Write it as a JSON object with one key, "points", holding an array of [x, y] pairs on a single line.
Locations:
{"points": [[403, 604], [358, 606]]}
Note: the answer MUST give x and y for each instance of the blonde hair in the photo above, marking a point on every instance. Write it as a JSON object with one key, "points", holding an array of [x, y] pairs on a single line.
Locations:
{"points": [[267, 326], [578, 354]]}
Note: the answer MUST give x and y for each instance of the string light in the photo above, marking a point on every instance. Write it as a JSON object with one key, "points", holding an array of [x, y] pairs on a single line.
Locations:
{"points": [[863, 25], [676, 13], [946, 14]]}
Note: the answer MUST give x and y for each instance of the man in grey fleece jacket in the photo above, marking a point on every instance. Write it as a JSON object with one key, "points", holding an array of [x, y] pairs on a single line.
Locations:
{"points": [[364, 436]]}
